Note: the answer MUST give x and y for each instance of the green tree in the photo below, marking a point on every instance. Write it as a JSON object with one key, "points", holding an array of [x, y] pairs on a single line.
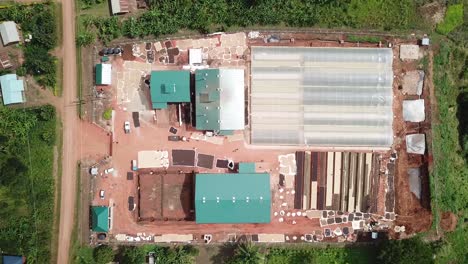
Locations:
{"points": [[247, 253], [132, 255], [412, 250], [85, 38], [107, 115], [103, 254], [46, 112]]}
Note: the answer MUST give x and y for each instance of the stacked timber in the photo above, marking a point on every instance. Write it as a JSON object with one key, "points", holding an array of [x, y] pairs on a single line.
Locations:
{"points": [[340, 181]]}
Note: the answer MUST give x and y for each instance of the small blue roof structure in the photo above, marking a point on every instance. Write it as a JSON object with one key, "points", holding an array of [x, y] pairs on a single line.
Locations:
{"points": [[12, 89], [12, 259]]}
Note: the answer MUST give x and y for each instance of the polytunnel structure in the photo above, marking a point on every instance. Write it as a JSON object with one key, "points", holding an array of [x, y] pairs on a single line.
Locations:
{"points": [[340, 97]]}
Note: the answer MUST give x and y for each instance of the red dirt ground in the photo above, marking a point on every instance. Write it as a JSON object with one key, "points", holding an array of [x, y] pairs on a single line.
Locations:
{"points": [[412, 213], [448, 222]]}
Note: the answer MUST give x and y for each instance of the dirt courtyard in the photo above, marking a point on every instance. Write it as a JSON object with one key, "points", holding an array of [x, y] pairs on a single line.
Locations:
{"points": [[165, 196]]}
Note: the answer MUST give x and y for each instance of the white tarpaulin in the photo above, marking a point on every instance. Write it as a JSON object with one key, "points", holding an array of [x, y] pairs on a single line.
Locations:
{"points": [[415, 181], [413, 110], [153, 159], [167, 238], [271, 238], [416, 143]]}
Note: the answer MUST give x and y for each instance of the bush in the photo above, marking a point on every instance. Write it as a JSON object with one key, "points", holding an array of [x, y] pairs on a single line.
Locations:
{"points": [[453, 19], [107, 115], [21, 71], [46, 112], [103, 254], [411, 250]]}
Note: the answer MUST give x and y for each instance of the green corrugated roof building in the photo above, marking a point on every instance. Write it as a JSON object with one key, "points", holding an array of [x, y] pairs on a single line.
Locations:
{"points": [[219, 100], [103, 74], [12, 89], [100, 218], [232, 198], [169, 87]]}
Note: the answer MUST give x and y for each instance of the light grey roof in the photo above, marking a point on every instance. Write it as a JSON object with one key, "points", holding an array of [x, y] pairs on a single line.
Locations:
{"points": [[231, 99], [321, 96], [9, 32]]}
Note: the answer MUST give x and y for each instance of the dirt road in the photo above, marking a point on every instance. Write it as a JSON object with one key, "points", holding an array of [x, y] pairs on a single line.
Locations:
{"points": [[71, 132]]}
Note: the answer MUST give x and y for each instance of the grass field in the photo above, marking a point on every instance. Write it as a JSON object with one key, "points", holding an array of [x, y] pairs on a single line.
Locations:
{"points": [[449, 185]]}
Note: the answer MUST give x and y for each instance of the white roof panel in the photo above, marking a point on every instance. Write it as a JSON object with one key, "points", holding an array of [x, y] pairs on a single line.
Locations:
{"points": [[232, 99]]}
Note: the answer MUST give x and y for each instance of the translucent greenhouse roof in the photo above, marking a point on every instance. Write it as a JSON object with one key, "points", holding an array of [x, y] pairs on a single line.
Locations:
{"points": [[321, 96]]}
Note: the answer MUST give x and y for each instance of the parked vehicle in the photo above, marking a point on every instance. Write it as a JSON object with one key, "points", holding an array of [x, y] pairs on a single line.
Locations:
{"points": [[127, 127], [151, 258], [101, 194], [134, 165], [109, 170]]}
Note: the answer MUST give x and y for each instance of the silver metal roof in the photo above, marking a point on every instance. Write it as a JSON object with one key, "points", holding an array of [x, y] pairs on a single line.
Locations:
{"points": [[9, 32]]}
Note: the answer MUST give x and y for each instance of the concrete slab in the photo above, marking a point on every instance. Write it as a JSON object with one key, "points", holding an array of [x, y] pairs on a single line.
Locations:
{"points": [[409, 52]]}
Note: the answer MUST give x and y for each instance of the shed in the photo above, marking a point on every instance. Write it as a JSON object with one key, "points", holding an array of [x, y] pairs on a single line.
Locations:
{"points": [[103, 74], [195, 56], [12, 259], [12, 89], [100, 218], [219, 99], [232, 198], [169, 87], [9, 32], [119, 7], [425, 41]]}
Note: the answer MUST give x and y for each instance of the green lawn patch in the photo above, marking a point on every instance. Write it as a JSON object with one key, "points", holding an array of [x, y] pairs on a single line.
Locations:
{"points": [[453, 19]]}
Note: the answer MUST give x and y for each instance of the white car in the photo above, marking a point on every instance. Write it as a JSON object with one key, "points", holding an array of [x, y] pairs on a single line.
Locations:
{"points": [[101, 194], [127, 127], [109, 170]]}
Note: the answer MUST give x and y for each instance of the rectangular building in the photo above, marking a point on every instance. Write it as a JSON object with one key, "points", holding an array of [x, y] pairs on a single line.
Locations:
{"points": [[219, 99], [12, 89], [232, 198], [304, 96], [169, 87], [9, 32], [103, 74]]}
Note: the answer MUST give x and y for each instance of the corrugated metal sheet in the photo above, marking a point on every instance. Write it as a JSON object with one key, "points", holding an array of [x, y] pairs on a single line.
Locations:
{"points": [[12, 89], [232, 198], [219, 96], [9, 32], [338, 181], [169, 87], [321, 96]]}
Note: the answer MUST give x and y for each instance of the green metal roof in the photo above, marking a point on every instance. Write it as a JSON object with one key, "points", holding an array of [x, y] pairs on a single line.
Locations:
{"points": [[103, 74], [207, 99], [100, 218], [98, 74], [169, 87], [232, 198], [12, 89], [247, 167]]}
